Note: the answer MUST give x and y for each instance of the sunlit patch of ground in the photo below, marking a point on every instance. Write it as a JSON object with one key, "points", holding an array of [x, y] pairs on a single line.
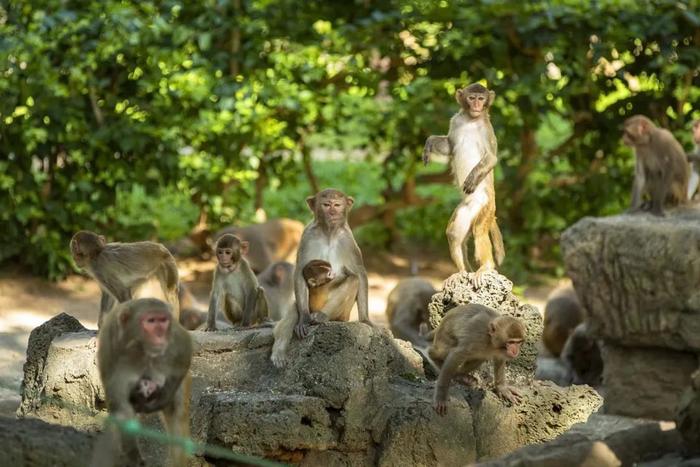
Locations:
{"points": [[26, 302]]}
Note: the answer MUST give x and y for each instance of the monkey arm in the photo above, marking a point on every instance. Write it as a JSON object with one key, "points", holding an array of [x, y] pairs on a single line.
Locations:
{"points": [[637, 186], [449, 368], [499, 382], [479, 172], [301, 294], [436, 144], [215, 303]]}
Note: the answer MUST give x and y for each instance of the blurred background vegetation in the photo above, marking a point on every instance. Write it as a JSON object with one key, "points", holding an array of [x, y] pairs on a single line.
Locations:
{"points": [[142, 119]]}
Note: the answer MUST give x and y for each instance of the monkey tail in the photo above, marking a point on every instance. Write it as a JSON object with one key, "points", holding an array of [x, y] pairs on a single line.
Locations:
{"points": [[497, 241]]}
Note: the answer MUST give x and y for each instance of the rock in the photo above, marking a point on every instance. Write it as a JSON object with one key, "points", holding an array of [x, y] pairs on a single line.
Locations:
{"points": [[629, 298], [36, 443], [688, 416]]}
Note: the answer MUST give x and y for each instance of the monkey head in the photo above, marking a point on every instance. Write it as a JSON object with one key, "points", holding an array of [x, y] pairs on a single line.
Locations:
{"points": [[85, 246], [330, 207], [146, 321], [475, 99], [507, 335], [637, 131], [317, 272], [229, 249], [696, 132]]}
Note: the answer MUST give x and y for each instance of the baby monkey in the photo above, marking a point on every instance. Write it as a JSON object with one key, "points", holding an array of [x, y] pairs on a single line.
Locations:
{"points": [[321, 279], [467, 336]]}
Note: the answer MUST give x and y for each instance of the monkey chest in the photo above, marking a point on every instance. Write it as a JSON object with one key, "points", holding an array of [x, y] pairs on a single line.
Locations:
{"points": [[469, 143], [332, 250]]}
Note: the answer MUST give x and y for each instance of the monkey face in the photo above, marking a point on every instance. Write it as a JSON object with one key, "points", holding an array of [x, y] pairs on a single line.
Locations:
{"points": [[154, 328], [507, 335], [229, 250], [227, 257], [333, 210], [318, 272], [637, 131], [476, 103]]}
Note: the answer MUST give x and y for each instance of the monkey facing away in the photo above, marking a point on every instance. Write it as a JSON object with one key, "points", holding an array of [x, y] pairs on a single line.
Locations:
{"points": [[694, 159], [278, 284], [407, 309], [661, 167], [322, 282], [235, 289], [122, 269], [581, 355], [562, 314], [471, 143], [328, 237], [143, 358], [467, 336]]}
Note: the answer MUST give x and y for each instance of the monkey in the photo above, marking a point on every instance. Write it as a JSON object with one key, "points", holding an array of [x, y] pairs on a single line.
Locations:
{"points": [[661, 167], [277, 282], [471, 143], [407, 309], [467, 336], [235, 288], [271, 241], [122, 269], [581, 355], [694, 159], [562, 313], [191, 313], [322, 281], [143, 359], [327, 237]]}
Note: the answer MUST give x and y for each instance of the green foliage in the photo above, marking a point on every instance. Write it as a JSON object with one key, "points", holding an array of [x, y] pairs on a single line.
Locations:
{"points": [[135, 117]]}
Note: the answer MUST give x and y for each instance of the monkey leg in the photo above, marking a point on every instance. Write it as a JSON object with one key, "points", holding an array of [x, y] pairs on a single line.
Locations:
{"points": [[283, 335], [483, 253], [176, 419], [262, 310], [232, 310], [460, 225]]}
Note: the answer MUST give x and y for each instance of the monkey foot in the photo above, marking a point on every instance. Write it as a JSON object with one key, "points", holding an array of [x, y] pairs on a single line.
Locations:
{"points": [[508, 393], [280, 361], [440, 407]]}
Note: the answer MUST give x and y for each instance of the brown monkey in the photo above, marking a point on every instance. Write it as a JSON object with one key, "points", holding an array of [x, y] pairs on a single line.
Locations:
{"points": [[562, 314], [143, 358], [581, 355], [122, 269], [322, 282], [467, 336], [277, 282], [471, 143], [235, 288], [694, 159], [274, 240], [661, 169], [407, 309], [328, 238], [192, 315]]}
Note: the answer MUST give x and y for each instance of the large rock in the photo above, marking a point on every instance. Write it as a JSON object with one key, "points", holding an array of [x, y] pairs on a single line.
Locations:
{"points": [[351, 395]]}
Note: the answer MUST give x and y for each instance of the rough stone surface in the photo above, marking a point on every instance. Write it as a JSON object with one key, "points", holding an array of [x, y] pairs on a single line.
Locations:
{"points": [[351, 395], [602, 441], [645, 382], [36, 443], [496, 293], [637, 277], [688, 416]]}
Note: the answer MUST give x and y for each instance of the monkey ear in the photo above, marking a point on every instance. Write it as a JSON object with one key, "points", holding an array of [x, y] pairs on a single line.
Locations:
{"points": [[458, 96], [350, 200], [492, 328], [311, 203], [312, 282], [492, 96], [244, 248]]}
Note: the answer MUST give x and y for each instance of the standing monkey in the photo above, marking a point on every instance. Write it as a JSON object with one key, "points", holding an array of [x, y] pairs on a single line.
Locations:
{"points": [[143, 358], [467, 336], [122, 268], [694, 159], [471, 143], [328, 238], [235, 289], [661, 168]]}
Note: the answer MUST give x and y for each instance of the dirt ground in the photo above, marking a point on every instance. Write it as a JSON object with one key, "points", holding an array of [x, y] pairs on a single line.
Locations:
{"points": [[26, 302]]}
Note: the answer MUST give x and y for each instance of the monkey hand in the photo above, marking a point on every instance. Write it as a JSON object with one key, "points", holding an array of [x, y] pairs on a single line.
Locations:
{"points": [[301, 329], [508, 393], [210, 327], [469, 184], [440, 407]]}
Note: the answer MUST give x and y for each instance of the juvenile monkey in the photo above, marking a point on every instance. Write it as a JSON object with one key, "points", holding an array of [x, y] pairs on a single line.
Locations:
{"points": [[407, 309], [467, 336], [471, 143], [235, 289], [322, 282], [661, 168], [122, 269], [581, 355], [562, 314], [143, 358], [327, 238], [277, 282], [694, 159]]}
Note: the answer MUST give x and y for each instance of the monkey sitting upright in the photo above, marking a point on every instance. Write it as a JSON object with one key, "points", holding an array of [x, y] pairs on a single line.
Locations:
{"points": [[235, 289], [143, 358], [661, 168], [122, 269], [467, 336], [278, 284]]}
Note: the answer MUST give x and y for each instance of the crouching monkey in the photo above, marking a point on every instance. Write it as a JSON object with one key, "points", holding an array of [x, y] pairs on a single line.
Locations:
{"points": [[143, 358], [467, 336], [471, 143], [122, 269], [330, 239]]}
